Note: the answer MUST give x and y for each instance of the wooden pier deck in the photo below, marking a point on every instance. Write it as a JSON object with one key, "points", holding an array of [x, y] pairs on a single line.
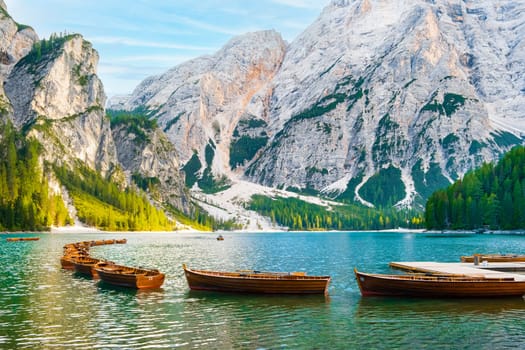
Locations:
{"points": [[490, 270]]}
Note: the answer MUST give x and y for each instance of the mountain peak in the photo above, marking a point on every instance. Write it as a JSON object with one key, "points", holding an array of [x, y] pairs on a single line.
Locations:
{"points": [[3, 5]]}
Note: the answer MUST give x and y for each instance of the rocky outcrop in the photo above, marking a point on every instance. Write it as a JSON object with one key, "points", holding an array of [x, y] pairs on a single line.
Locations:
{"points": [[55, 93], [16, 40], [150, 160]]}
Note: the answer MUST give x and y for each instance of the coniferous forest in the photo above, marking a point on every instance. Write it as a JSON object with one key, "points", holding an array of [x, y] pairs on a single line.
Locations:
{"points": [[492, 196], [300, 215], [103, 204], [25, 200]]}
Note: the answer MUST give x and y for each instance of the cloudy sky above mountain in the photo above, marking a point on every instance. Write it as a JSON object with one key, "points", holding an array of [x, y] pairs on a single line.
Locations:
{"points": [[140, 38]]}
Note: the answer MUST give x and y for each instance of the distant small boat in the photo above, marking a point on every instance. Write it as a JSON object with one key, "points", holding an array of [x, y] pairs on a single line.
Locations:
{"points": [[16, 239], [248, 281], [493, 258], [441, 286], [130, 277], [220, 238]]}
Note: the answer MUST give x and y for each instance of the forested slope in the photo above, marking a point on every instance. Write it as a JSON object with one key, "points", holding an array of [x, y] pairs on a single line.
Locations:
{"points": [[492, 196]]}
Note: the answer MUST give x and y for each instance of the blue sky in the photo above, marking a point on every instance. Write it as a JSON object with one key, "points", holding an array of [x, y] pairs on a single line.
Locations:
{"points": [[139, 38]]}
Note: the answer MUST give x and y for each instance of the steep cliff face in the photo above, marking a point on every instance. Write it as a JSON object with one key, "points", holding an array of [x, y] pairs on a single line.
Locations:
{"points": [[399, 93], [199, 103], [56, 95]]}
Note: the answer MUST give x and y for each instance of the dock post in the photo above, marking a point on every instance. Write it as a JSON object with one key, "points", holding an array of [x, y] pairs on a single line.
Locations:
{"points": [[476, 259]]}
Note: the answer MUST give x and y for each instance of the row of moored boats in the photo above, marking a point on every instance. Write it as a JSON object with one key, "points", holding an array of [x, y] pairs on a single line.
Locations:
{"points": [[76, 257]]}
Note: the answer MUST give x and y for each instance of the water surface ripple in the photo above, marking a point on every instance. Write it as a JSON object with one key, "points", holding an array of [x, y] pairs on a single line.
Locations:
{"points": [[44, 307]]}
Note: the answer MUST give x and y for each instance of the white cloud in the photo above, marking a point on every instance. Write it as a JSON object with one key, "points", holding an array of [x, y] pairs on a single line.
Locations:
{"points": [[206, 26], [305, 4], [163, 59], [142, 43]]}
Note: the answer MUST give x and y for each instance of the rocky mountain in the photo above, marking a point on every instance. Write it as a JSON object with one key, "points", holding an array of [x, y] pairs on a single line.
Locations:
{"points": [[50, 91], [200, 103], [402, 95], [377, 101]]}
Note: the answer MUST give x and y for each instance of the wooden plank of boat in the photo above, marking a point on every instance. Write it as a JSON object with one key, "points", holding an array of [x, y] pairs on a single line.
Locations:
{"points": [[494, 258], [438, 286], [130, 277], [248, 281], [21, 239]]}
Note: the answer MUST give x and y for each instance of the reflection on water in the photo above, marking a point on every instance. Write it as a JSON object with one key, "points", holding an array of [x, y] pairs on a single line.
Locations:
{"points": [[454, 323], [380, 307], [42, 306]]}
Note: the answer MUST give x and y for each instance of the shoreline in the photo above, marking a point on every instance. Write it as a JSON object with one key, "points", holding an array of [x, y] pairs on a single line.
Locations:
{"points": [[84, 229]]}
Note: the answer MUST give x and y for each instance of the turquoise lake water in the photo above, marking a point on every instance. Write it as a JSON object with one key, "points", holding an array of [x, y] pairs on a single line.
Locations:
{"points": [[45, 307]]}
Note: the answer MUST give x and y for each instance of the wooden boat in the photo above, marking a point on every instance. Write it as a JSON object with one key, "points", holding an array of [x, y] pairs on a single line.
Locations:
{"points": [[493, 258], [130, 277], [18, 239], [121, 241], [220, 238], [443, 286], [256, 282], [67, 260], [87, 265]]}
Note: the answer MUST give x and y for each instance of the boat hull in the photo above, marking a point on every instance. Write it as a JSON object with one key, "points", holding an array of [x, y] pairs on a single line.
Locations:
{"points": [[126, 278], [236, 282], [494, 258], [68, 261], [438, 287]]}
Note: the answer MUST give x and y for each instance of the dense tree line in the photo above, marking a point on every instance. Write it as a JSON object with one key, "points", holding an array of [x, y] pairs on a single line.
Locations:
{"points": [[103, 204], [26, 202], [300, 215], [384, 189], [492, 196]]}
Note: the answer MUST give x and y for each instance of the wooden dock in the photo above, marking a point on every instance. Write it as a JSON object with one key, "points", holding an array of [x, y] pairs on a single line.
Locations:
{"points": [[514, 270]]}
